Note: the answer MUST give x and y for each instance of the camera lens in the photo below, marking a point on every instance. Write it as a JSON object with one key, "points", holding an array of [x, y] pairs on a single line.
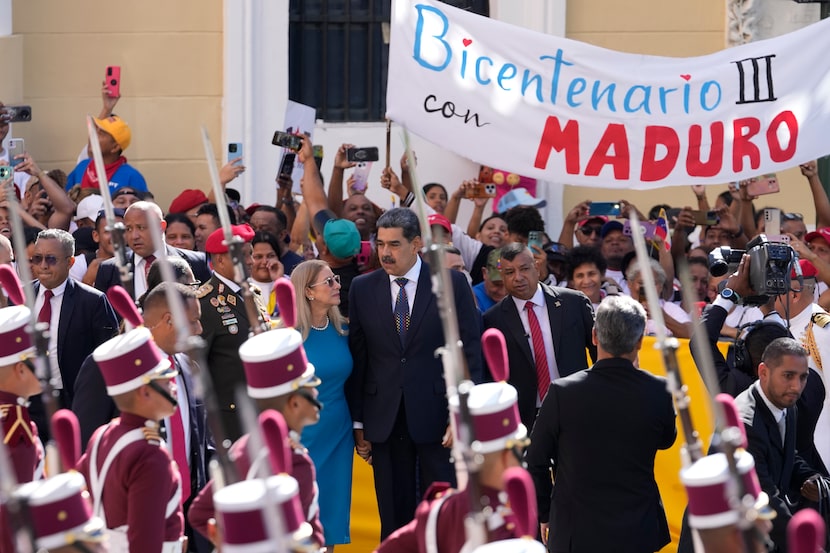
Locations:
{"points": [[232, 148], [113, 82]]}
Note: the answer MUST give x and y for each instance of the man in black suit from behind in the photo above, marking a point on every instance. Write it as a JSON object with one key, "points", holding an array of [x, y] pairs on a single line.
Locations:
{"points": [[601, 428], [80, 318], [139, 238], [397, 395], [769, 414], [565, 318]]}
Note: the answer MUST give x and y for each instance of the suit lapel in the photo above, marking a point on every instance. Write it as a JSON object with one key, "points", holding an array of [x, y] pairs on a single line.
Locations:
{"points": [[423, 297], [67, 305], [514, 323], [556, 319], [772, 426]]}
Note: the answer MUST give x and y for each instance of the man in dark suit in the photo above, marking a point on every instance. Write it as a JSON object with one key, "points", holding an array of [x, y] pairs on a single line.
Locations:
{"points": [[545, 341], [602, 428], [95, 408], [397, 394], [770, 417], [139, 238], [80, 318]]}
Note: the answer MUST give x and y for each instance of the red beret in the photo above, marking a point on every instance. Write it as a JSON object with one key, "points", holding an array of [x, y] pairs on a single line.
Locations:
{"points": [[808, 270], [187, 200], [438, 219], [215, 242]]}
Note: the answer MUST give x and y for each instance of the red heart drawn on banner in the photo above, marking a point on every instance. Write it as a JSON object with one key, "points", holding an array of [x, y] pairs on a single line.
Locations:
{"points": [[467, 42], [685, 77]]}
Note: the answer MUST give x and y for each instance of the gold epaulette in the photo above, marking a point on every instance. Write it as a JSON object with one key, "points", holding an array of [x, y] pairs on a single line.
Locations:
{"points": [[821, 319], [204, 290], [14, 422]]}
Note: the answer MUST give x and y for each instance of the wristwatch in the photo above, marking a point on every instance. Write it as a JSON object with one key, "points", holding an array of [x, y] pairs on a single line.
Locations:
{"points": [[730, 294]]}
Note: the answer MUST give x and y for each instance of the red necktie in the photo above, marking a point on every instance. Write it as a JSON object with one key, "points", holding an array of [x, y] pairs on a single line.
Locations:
{"points": [[542, 372], [45, 315], [148, 261], [177, 442]]}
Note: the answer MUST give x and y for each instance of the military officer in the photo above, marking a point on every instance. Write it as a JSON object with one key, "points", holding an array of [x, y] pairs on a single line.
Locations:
{"points": [[225, 324], [135, 485]]}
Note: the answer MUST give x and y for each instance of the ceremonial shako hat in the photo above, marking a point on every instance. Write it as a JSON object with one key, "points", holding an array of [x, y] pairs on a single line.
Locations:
{"points": [[245, 512], [60, 511], [495, 413], [131, 360], [275, 363], [15, 342], [707, 482]]}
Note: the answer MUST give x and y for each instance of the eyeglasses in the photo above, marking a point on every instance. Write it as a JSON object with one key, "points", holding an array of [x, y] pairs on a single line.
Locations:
{"points": [[589, 230], [50, 260], [792, 216], [331, 281], [310, 397]]}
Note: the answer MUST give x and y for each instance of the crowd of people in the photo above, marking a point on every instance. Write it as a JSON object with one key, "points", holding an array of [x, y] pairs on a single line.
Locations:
{"points": [[345, 361]]}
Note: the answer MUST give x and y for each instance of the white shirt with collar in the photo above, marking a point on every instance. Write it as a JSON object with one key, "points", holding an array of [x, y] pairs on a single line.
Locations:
{"points": [[235, 288], [139, 265], [540, 309], [411, 286], [56, 303]]}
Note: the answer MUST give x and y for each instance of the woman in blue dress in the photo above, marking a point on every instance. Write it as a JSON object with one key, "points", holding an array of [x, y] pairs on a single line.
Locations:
{"points": [[330, 442]]}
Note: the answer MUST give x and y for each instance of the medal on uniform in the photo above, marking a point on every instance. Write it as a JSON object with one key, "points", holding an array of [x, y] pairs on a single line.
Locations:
{"points": [[231, 299], [214, 302], [233, 329]]}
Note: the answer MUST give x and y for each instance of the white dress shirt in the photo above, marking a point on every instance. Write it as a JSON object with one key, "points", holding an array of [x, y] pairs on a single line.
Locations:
{"points": [[540, 309], [139, 265], [56, 303], [411, 286]]}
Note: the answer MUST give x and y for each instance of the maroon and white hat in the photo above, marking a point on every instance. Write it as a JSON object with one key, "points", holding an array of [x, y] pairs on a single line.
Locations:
{"points": [[60, 511], [131, 360], [245, 510], [15, 342], [495, 413], [707, 485], [275, 363]]}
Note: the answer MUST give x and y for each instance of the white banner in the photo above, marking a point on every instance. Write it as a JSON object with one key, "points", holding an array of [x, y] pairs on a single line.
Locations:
{"points": [[560, 110]]}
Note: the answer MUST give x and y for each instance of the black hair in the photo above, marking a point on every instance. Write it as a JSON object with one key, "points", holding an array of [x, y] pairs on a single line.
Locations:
{"points": [[212, 210], [585, 254], [522, 219], [430, 185], [490, 218], [266, 238], [171, 218], [404, 219]]}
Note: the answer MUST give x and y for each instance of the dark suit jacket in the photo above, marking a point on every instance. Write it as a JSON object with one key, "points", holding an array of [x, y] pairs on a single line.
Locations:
{"points": [[87, 320], [109, 276], [386, 373], [731, 381], [602, 428], [779, 466], [571, 319]]}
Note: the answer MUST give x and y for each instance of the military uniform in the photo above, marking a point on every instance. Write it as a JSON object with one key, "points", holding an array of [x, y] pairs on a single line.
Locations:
{"points": [[302, 469], [225, 327], [134, 485], [438, 525], [811, 327], [20, 437]]}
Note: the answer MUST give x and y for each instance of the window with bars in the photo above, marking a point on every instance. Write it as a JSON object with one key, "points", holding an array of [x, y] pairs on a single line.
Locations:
{"points": [[338, 54]]}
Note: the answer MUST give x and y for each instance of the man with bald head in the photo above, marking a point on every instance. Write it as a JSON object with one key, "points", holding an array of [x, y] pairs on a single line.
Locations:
{"points": [[139, 238]]}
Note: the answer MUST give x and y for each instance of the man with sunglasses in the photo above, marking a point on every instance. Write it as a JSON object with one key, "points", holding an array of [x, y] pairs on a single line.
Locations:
{"points": [[80, 318]]}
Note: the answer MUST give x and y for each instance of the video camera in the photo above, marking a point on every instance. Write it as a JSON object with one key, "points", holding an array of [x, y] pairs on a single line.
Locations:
{"points": [[769, 267]]}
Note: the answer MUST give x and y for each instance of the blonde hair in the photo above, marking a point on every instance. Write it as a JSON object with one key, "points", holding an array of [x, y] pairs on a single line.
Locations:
{"points": [[304, 274]]}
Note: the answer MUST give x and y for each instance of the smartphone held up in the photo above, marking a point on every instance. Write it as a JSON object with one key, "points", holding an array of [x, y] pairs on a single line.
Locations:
{"points": [[112, 81]]}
